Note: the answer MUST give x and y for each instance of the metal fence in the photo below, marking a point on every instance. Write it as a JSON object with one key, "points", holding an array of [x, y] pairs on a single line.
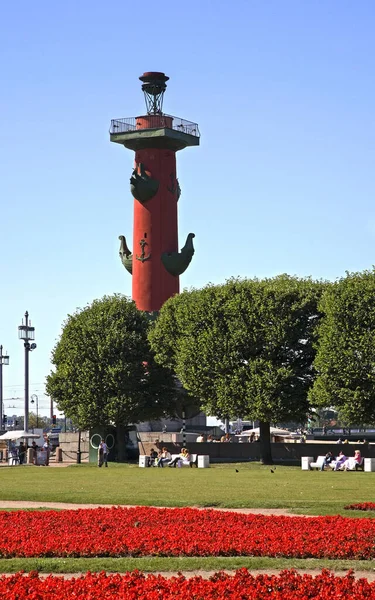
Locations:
{"points": [[132, 124]]}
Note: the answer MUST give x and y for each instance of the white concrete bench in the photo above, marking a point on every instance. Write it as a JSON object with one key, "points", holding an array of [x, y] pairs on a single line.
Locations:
{"points": [[186, 463], [202, 461], [305, 462], [318, 463], [369, 464], [144, 461], [147, 461]]}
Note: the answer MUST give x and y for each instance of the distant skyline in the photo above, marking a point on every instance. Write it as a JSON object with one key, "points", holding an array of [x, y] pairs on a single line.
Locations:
{"points": [[283, 93]]}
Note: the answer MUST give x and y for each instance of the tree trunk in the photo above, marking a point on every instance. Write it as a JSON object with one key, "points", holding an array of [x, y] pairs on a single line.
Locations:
{"points": [[121, 443], [265, 443]]}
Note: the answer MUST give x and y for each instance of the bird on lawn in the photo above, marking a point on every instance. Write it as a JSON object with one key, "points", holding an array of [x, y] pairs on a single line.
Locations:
{"points": [[272, 471], [237, 471]]}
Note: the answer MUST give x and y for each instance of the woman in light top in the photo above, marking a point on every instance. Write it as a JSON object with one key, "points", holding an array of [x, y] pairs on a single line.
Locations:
{"points": [[164, 457], [340, 461], [353, 462]]}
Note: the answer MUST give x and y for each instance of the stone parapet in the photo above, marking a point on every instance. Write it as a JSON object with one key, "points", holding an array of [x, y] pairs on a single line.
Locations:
{"points": [[232, 452]]}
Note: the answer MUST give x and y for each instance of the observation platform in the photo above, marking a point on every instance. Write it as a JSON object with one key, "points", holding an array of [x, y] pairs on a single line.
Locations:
{"points": [[154, 131]]}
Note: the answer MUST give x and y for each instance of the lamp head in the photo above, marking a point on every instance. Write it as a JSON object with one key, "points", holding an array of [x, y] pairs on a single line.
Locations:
{"points": [[25, 331]]}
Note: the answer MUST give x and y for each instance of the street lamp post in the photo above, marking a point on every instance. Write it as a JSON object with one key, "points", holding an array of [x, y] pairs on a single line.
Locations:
{"points": [[27, 334], [4, 360], [34, 398]]}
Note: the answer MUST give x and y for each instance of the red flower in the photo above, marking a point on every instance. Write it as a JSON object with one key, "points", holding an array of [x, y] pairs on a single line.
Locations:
{"points": [[361, 506], [289, 585], [145, 531]]}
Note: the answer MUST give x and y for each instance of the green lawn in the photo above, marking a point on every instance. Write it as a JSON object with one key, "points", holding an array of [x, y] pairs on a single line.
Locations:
{"points": [[310, 492], [121, 565]]}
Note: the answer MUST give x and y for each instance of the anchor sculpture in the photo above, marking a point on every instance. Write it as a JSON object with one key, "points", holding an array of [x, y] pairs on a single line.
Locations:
{"points": [[125, 254], [142, 186], [175, 188], [177, 262], [143, 256]]}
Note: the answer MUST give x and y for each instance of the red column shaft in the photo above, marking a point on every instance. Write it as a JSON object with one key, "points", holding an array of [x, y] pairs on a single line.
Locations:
{"points": [[155, 221]]}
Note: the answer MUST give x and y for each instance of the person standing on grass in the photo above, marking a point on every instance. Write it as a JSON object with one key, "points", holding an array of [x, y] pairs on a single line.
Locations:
{"points": [[34, 448], [22, 452], [47, 449], [102, 454]]}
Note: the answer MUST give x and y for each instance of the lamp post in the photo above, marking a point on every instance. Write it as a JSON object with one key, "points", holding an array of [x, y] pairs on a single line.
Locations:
{"points": [[27, 334], [34, 398], [4, 360]]}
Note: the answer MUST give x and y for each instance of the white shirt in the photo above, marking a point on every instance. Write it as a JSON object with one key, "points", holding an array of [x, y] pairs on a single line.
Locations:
{"points": [[104, 447]]}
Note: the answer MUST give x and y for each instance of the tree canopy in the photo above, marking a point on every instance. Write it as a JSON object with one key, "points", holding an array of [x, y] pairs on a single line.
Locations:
{"points": [[245, 347], [345, 360], [105, 372]]}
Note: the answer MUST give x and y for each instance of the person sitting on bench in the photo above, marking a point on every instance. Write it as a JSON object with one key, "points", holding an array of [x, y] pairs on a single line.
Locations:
{"points": [[153, 457], [164, 457], [340, 460], [184, 457], [353, 462], [327, 460]]}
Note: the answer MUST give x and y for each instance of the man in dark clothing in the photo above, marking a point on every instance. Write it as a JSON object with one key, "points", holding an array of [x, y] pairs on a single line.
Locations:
{"points": [[327, 459]]}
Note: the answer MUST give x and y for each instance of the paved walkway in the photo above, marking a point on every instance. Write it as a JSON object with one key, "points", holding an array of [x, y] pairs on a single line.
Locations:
{"points": [[66, 505], [51, 464], [370, 576]]}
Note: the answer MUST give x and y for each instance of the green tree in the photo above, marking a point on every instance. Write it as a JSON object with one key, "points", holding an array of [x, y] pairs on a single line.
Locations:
{"points": [[34, 421], [345, 360], [105, 372], [244, 348]]}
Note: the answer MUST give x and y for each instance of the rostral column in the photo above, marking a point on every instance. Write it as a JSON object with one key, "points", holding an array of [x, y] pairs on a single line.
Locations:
{"points": [[155, 262]]}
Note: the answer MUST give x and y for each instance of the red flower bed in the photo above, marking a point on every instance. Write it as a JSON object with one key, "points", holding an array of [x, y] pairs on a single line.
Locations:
{"points": [[361, 506], [136, 586], [145, 531]]}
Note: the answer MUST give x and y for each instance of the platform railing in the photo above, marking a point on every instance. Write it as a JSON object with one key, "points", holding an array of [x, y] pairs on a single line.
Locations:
{"points": [[132, 124]]}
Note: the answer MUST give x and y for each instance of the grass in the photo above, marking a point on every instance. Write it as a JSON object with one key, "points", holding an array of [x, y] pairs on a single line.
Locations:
{"points": [[151, 565], [253, 486]]}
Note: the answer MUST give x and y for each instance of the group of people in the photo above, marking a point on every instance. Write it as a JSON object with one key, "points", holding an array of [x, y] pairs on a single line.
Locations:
{"points": [[346, 441], [18, 454], [225, 438], [44, 458], [14, 454], [164, 457], [342, 462]]}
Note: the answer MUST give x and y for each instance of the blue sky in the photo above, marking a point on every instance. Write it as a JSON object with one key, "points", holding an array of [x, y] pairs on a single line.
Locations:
{"points": [[283, 180]]}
